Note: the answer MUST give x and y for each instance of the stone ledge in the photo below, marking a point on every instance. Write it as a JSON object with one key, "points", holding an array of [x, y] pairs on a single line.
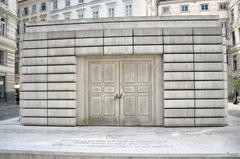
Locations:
{"points": [[33, 121], [178, 122], [62, 121]]}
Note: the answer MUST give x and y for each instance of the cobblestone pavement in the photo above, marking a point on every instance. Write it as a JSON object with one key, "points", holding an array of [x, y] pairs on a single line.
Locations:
{"points": [[8, 111]]}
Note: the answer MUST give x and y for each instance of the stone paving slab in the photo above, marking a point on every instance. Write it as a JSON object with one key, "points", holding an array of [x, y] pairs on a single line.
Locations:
{"points": [[117, 142], [8, 111]]}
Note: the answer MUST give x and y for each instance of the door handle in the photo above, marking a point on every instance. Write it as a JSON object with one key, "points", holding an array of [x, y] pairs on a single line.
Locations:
{"points": [[118, 96]]}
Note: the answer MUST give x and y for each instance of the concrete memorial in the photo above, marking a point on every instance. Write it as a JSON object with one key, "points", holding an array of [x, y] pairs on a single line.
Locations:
{"points": [[158, 71]]}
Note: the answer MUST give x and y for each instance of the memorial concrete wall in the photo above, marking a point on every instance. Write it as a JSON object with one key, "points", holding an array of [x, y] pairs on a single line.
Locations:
{"points": [[188, 79]]}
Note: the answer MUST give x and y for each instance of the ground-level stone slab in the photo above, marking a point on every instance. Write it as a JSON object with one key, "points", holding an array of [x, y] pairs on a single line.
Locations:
{"points": [[35, 142]]}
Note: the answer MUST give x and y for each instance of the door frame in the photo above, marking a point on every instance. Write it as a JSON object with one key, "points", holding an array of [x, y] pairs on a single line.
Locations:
{"points": [[82, 85]]}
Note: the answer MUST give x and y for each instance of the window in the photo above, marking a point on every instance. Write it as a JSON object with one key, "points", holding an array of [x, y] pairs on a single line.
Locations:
{"points": [[95, 14], [3, 27], [80, 15], [128, 10], [2, 87], [43, 6], [18, 28], [184, 8], [67, 15], [4, 1], [234, 63], [204, 7], [225, 29], [2, 57], [165, 10], [238, 9], [17, 67], [232, 15], [222, 6], [81, 1], [111, 12], [67, 3], [55, 5], [233, 38], [24, 27], [239, 35], [25, 11], [18, 12], [228, 59], [34, 9]]}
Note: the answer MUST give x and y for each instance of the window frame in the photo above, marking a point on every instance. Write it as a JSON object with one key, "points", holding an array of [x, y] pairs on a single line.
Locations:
{"points": [[204, 9], [234, 62], [2, 57], [2, 78], [233, 38], [166, 7], [128, 10], [25, 10], [67, 3], [111, 12], [184, 11], [81, 12], [220, 6], [3, 26], [55, 4], [33, 12], [95, 14], [238, 10], [43, 7]]}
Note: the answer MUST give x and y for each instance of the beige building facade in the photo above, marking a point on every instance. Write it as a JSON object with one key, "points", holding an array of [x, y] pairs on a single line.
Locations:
{"points": [[8, 23], [234, 12]]}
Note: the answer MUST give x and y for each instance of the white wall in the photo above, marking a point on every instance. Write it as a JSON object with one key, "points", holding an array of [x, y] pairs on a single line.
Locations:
{"points": [[138, 8], [194, 8]]}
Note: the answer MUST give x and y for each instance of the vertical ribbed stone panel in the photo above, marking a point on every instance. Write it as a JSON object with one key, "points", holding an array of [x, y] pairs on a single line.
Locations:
{"points": [[33, 95], [179, 82], [61, 81], [48, 88], [208, 41], [196, 100]]}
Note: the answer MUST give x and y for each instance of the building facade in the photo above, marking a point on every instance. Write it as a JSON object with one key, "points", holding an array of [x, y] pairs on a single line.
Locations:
{"points": [[234, 12], [161, 71], [79, 9], [8, 23], [35, 10], [32, 10]]}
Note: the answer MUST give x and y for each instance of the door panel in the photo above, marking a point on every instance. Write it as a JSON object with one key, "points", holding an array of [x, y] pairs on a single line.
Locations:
{"points": [[137, 78], [136, 87], [103, 85]]}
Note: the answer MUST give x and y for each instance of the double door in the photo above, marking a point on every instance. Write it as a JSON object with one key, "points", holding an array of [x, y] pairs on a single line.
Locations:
{"points": [[120, 92]]}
